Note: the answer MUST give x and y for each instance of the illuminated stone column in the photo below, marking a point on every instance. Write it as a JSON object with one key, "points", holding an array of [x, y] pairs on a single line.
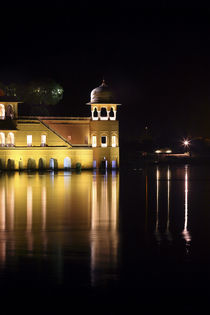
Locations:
{"points": [[99, 114]]}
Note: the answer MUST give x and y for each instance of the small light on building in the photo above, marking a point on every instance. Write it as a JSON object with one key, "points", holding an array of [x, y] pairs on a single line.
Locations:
{"points": [[158, 151], [168, 151]]}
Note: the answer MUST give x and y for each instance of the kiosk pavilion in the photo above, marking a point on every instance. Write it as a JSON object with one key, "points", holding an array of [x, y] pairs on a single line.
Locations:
{"points": [[60, 142]]}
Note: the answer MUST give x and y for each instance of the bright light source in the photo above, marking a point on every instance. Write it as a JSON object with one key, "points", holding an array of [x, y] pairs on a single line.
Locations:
{"points": [[168, 151], [158, 151], [186, 142]]}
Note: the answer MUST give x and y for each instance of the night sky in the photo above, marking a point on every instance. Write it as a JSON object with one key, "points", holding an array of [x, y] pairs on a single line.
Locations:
{"points": [[155, 59]]}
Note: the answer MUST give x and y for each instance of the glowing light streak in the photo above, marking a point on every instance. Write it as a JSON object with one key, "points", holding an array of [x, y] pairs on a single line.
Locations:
{"points": [[185, 231]]}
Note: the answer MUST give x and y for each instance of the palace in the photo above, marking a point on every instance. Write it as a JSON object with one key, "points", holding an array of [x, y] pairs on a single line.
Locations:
{"points": [[60, 142]]}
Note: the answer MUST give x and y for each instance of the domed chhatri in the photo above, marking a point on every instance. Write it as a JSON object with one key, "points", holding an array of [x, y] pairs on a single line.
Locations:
{"points": [[103, 103], [101, 94]]}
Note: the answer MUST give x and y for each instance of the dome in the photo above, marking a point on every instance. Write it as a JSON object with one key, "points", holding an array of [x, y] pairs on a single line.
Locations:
{"points": [[101, 95]]}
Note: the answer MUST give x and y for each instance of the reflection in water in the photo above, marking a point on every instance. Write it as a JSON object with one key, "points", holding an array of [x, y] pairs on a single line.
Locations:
{"points": [[29, 219], [2, 210], [59, 212], [44, 207], [2, 226], [104, 219], [185, 231], [168, 204], [157, 205]]}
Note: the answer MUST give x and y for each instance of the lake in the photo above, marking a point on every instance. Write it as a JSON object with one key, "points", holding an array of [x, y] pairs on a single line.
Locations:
{"points": [[105, 243]]}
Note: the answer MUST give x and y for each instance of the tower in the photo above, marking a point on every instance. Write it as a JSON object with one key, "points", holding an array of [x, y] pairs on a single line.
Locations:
{"points": [[104, 127]]}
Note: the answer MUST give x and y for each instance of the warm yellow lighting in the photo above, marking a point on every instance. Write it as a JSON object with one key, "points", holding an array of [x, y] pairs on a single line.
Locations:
{"points": [[168, 151], [114, 142], [10, 139], [94, 141], [2, 111], [29, 140], [43, 140], [185, 231], [2, 139], [158, 151]]}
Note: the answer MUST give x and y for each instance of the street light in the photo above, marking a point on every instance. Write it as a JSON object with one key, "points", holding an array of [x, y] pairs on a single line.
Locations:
{"points": [[186, 144]]}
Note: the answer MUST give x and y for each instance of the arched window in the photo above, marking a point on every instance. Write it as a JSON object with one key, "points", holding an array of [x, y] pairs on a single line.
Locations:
{"points": [[114, 141], [29, 140], [104, 114], [52, 164], [10, 139], [43, 140], [94, 141], [67, 163], [2, 111], [2, 139], [104, 141], [9, 111], [112, 114], [95, 112]]}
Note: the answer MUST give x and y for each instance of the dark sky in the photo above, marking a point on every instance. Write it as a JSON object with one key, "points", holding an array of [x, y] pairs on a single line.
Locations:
{"points": [[156, 59]]}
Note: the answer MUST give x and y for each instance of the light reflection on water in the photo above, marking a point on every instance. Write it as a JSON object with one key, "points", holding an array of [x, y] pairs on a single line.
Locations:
{"points": [[67, 218], [122, 233], [57, 215]]}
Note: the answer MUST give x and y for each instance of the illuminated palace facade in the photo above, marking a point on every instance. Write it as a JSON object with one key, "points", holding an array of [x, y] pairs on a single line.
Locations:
{"points": [[60, 142]]}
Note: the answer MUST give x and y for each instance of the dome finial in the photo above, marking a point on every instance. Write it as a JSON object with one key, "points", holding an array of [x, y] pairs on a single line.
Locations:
{"points": [[103, 82]]}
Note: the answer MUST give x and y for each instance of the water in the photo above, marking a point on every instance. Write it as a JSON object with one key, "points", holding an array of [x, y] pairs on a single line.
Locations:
{"points": [[112, 243]]}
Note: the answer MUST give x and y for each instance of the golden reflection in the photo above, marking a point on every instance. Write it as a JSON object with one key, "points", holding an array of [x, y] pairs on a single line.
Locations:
{"points": [[2, 252], [104, 223], [168, 203], [44, 207], [157, 204], [11, 205], [3, 209], [29, 208], [44, 212], [146, 201], [185, 232]]}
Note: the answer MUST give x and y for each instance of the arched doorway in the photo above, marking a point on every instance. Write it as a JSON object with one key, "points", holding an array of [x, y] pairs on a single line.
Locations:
{"points": [[31, 165], [10, 165], [1, 164], [104, 164], [114, 164], [67, 163], [41, 164], [2, 111], [52, 164]]}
